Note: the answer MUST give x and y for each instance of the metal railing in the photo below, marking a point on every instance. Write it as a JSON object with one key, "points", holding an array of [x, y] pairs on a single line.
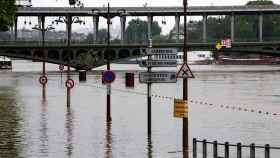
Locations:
{"points": [[227, 146]]}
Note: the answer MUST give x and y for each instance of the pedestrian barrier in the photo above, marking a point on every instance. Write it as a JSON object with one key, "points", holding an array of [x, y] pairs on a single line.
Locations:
{"points": [[227, 147]]}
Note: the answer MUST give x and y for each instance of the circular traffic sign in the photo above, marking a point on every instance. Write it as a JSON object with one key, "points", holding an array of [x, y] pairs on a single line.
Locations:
{"points": [[43, 79], [108, 77], [69, 83], [61, 67]]}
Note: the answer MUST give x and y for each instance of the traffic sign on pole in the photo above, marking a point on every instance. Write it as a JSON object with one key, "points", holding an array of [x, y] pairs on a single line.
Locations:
{"points": [[160, 51], [108, 76], [61, 67], [157, 77], [43, 79], [69, 83], [185, 72], [158, 63], [181, 108]]}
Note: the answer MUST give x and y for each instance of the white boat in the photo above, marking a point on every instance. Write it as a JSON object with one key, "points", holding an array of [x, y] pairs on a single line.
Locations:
{"points": [[5, 63], [196, 57]]}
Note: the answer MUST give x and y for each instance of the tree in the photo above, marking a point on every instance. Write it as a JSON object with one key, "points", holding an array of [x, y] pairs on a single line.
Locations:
{"points": [[137, 30], [7, 14], [260, 2]]}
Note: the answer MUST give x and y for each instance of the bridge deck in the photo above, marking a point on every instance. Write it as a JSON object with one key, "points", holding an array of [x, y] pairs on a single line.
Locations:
{"points": [[155, 11]]}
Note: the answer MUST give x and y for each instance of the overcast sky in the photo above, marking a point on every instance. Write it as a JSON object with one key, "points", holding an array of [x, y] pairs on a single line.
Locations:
{"points": [[94, 3], [119, 3]]}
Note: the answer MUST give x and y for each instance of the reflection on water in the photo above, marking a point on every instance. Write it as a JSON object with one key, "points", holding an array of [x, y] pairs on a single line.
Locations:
{"points": [[149, 147], [44, 139], [69, 125], [109, 140], [10, 139]]}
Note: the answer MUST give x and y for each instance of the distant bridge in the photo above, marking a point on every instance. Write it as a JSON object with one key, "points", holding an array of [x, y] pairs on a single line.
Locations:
{"points": [[150, 12], [88, 56]]}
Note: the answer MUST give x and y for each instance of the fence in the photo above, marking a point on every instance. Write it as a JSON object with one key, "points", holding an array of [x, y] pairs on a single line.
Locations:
{"points": [[226, 146]]}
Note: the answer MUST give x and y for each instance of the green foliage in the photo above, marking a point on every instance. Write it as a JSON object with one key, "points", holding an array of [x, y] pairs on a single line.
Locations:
{"points": [[260, 2], [137, 30], [7, 14]]}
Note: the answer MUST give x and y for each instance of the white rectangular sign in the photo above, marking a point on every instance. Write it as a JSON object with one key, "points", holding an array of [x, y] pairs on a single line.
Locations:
{"points": [[158, 63], [157, 51], [157, 77]]}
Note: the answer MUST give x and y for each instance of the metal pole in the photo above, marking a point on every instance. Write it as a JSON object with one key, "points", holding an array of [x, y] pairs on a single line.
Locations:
{"points": [[44, 54], [68, 22], [185, 131], [109, 118], [16, 28], [149, 97]]}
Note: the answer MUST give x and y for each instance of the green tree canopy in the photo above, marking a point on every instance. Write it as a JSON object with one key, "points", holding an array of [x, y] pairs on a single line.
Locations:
{"points": [[7, 14], [137, 30]]}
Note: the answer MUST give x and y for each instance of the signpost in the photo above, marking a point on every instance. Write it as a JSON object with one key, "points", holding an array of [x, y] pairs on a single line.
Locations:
{"points": [[69, 83], [158, 63], [181, 108], [157, 77], [108, 77], [161, 51]]}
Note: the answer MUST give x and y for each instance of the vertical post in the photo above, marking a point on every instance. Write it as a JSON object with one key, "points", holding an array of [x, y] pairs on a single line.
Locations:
{"points": [[204, 149], [123, 21], [149, 97], [43, 30], [69, 30], [252, 150], [150, 22], [194, 148], [260, 27], [177, 27], [40, 24], [215, 149], [267, 151], [239, 150], [95, 28], [226, 150], [185, 130], [15, 31], [232, 23], [204, 38], [108, 66]]}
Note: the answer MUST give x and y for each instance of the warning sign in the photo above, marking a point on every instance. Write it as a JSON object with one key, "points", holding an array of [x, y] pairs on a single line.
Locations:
{"points": [[180, 108], [185, 72]]}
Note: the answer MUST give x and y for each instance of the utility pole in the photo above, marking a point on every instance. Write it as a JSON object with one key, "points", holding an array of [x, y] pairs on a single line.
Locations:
{"points": [[185, 131], [109, 118]]}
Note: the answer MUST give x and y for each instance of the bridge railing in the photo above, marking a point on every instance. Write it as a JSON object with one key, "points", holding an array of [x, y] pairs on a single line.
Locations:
{"points": [[230, 150]]}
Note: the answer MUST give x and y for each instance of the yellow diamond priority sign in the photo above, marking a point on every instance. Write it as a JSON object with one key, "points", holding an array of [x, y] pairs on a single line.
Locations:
{"points": [[219, 46], [181, 108]]}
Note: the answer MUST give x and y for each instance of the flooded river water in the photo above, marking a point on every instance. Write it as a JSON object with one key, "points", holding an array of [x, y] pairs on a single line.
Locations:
{"points": [[32, 128]]}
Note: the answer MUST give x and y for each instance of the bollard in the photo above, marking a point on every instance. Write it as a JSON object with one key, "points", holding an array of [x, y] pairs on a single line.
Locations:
{"points": [[226, 150], [204, 149], [252, 150], [129, 79], [82, 75], [215, 149], [266, 151], [239, 150], [194, 148]]}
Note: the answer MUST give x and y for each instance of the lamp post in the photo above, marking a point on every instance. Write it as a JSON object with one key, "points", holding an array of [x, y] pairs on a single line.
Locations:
{"points": [[41, 27], [68, 21]]}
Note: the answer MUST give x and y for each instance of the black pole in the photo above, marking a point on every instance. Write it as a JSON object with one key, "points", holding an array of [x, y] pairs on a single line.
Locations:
{"points": [[185, 131], [149, 97], [68, 22], [43, 30], [109, 118]]}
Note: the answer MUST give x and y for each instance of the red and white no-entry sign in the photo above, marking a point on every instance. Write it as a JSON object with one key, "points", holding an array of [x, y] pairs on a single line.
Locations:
{"points": [[43, 79], [69, 83], [61, 67]]}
